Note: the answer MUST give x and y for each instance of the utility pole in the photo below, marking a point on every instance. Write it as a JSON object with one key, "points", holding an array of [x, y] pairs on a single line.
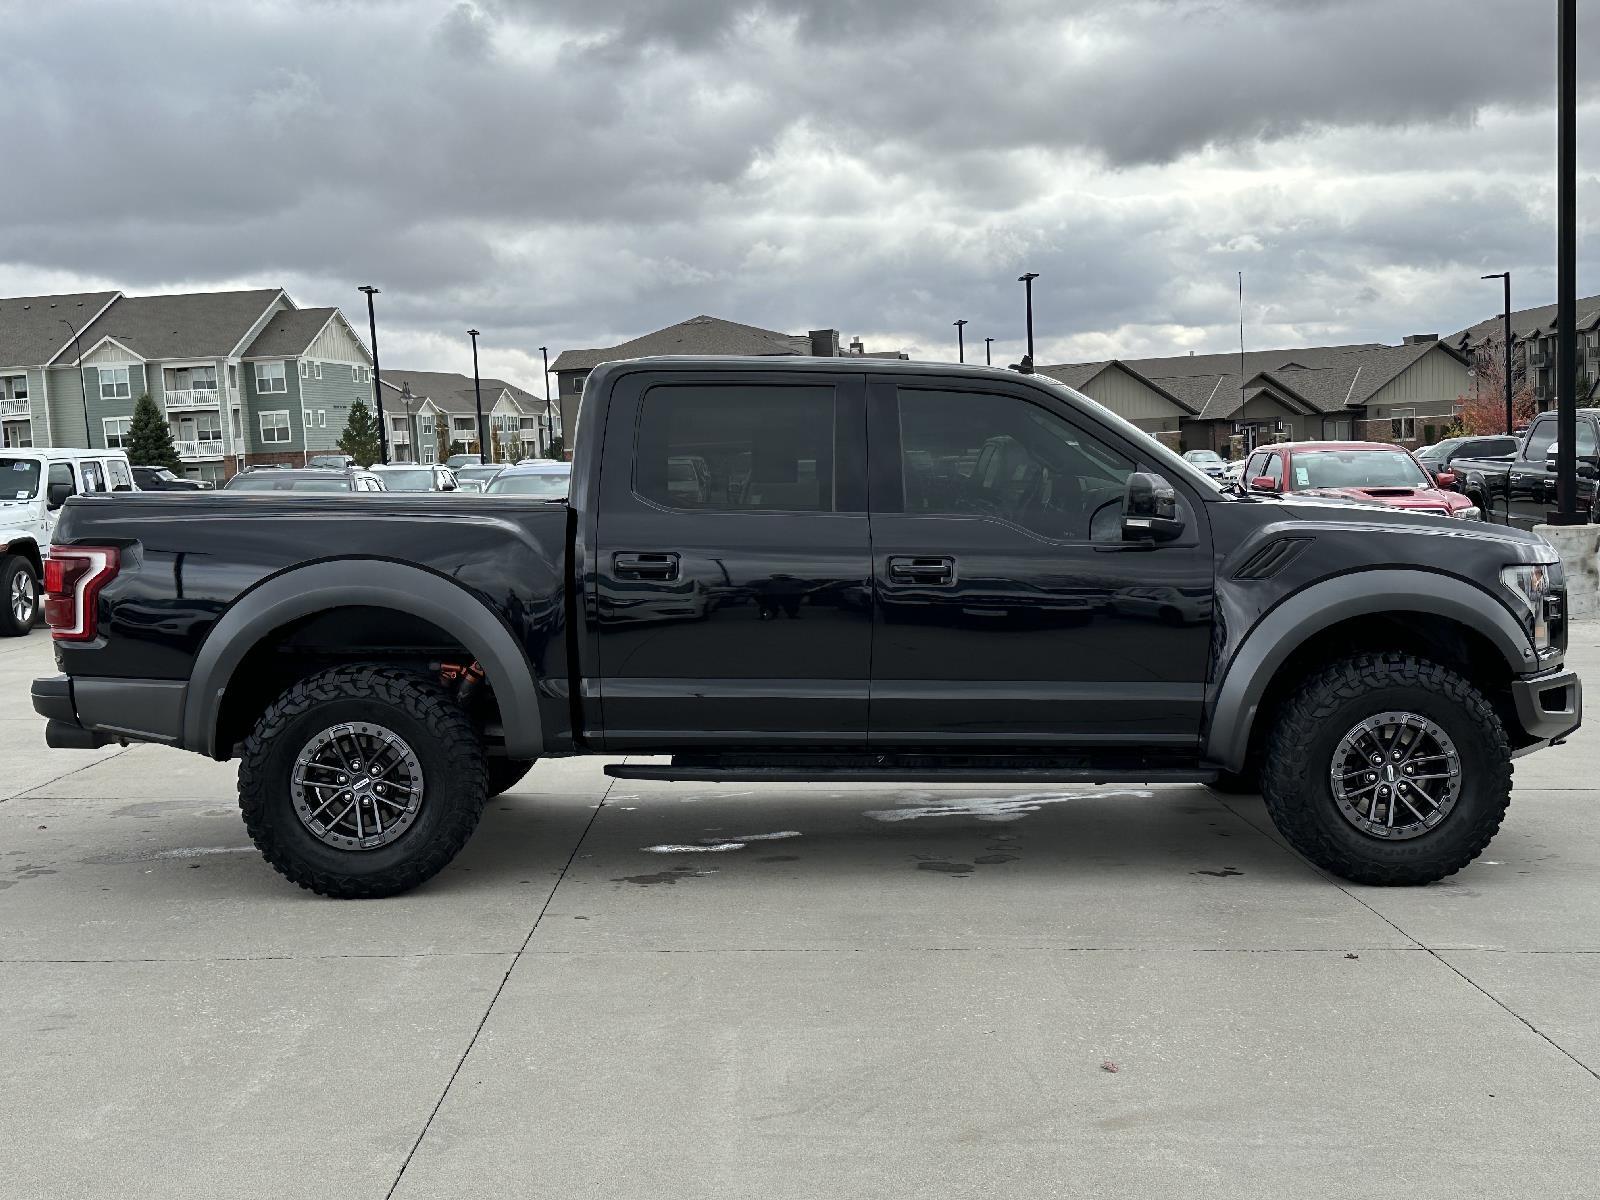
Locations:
{"points": [[83, 388], [1026, 280], [1567, 268], [477, 395], [549, 425], [988, 352], [377, 376], [1506, 334], [1243, 416], [961, 340]]}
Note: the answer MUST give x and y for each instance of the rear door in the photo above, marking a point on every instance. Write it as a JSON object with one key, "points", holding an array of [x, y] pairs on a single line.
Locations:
{"points": [[731, 563], [1010, 612]]}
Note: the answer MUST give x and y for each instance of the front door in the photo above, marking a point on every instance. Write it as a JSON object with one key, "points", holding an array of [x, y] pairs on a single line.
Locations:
{"points": [[1011, 614], [731, 562]]}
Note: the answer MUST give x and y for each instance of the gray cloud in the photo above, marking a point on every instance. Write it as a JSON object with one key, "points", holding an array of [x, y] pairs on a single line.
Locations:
{"points": [[568, 172]]}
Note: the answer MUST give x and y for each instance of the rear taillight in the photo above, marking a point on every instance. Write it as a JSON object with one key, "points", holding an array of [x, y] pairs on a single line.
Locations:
{"points": [[73, 577]]}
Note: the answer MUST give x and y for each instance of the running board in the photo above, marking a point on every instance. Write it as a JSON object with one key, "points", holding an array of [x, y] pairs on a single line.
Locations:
{"points": [[888, 774]]}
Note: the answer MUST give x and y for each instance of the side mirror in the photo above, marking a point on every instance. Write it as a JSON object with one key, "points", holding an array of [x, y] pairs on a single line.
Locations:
{"points": [[1150, 510], [1445, 479], [56, 494], [449, 485], [1263, 483]]}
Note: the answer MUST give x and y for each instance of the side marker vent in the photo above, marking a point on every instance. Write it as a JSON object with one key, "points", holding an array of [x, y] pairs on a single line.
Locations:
{"points": [[1272, 558]]}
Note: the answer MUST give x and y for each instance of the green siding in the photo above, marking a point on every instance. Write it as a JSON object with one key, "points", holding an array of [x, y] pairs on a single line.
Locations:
{"points": [[66, 407], [99, 409], [333, 393], [256, 404]]}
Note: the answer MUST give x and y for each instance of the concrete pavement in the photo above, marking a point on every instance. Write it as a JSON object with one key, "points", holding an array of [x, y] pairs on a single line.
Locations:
{"points": [[642, 990]]}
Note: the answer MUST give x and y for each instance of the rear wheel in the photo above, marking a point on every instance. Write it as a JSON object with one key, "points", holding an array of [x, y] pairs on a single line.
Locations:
{"points": [[362, 781], [19, 587], [1388, 769]]}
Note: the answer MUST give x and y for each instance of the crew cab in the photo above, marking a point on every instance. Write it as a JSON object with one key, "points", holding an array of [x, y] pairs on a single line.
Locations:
{"points": [[1521, 489], [818, 569], [1370, 472]]}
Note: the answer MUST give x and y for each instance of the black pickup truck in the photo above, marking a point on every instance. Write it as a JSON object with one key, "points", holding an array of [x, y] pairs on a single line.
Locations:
{"points": [[817, 569], [1520, 489]]}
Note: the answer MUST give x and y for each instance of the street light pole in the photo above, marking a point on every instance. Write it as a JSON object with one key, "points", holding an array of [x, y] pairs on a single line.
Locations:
{"points": [[549, 426], [961, 340], [1026, 281], [83, 388], [1506, 334], [1567, 267], [377, 375], [477, 394], [988, 352]]}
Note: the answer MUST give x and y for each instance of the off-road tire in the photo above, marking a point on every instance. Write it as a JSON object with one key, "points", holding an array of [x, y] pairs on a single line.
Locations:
{"points": [[505, 773], [1299, 796], [421, 712], [11, 567]]}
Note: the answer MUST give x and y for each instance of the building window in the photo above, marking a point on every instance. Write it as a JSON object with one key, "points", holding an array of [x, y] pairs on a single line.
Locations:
{"points": [[117, 431], [14, 387], [208, 432], [114, 383], [233, 377], [236, 433], [577, 382], [18, 435], [271, 377], [305, 417], [275, 425], [305, 369], [322, 418], [1403, 424], [316, 370]]}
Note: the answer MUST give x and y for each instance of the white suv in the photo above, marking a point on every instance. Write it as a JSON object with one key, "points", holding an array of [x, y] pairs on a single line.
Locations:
{"points": [[34, 484]]}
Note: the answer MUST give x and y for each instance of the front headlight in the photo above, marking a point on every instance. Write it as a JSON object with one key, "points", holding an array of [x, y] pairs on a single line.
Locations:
{"points": [[1470, 513], [1530, 586]]}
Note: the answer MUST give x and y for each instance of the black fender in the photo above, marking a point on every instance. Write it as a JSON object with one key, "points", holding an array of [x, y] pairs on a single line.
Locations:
{"points": [[1361, 593], [372, 583]]}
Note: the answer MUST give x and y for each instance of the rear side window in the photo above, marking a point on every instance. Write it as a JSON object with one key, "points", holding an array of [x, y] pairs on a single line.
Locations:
{"points": [[93, 480], [117, 470], [1539, 439], [737, 448]]}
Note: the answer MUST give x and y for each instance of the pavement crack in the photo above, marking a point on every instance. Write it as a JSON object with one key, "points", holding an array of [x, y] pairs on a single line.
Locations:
{"points": [[494, 999], [1421, 945], [27, 792]]}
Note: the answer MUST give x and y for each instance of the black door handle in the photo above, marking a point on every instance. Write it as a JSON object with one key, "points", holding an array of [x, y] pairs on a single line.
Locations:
{"points": [[645, 565], [935, 570]]}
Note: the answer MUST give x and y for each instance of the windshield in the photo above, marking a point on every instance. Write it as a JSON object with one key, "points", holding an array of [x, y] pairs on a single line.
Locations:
{"points": [[1204, 458], [1356, 469], [549, 484], [19, 478], [484, 473], [420, 480]]}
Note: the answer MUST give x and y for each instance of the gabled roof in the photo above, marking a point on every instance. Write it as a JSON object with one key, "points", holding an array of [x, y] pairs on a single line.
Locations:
{"points": [[291, 332], [1523, 322], [697, 335], [1315, 379], [453, 393], [193, 325], [1080, 375], [31, 328]]}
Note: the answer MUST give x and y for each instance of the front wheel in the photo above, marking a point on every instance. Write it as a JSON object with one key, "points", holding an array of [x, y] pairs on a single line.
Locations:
{"points": [[20, 588], [1388, 769], [362, 781]]}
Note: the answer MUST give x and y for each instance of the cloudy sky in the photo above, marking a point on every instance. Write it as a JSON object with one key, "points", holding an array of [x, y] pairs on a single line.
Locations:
{"points": [[575, 172]]}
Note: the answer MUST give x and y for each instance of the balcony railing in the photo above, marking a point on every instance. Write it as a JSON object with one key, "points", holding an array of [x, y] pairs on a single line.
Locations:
{"points": [[203, 448], [16, 408], [194, 398]]}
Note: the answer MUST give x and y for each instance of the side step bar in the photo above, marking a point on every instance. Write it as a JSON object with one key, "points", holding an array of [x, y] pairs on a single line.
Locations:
{"points": [[892, 774]]}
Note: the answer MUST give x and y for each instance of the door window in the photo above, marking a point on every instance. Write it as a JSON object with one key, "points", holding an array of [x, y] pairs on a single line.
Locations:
{"points": [[1256, 467], [117, 473], [62, 473], [737, 448], [93, 480], [1539, 439], [975, 454], [1274, 469], [1585, 439]]}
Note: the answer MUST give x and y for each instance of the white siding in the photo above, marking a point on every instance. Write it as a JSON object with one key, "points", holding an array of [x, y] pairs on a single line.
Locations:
{"points": [[337, 344], [1432, 385], [1128, 397], [110, 352]]}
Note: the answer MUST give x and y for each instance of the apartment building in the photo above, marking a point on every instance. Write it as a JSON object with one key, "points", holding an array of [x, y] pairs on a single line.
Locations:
{"points": [[243, 377], [1533, 348], [427, 412]]}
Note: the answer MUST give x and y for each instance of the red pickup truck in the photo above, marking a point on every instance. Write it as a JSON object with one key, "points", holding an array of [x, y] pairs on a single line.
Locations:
{"points": [[1374, 472]]}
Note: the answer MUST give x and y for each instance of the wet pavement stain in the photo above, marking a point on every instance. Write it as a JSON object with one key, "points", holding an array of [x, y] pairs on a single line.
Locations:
{"points": [[946, 868], [989, 860], [1225, 873], [666, 877]]}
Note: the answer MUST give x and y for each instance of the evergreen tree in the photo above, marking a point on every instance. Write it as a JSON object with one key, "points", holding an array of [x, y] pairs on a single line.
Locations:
{"points": [[360, 437], [150, 438], [556, 450]]}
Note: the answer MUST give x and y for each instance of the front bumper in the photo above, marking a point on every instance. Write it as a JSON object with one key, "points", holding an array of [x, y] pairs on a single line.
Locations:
{"points": [[1549, 706], [85, 714]]}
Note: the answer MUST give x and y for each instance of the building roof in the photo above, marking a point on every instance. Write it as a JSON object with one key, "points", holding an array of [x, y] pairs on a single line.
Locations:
{"points": [[290, 332], [697, 335], [1524, 321], [1079, 375], [193, 325], [31, 328], [454, 393], [1313, 379]]}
